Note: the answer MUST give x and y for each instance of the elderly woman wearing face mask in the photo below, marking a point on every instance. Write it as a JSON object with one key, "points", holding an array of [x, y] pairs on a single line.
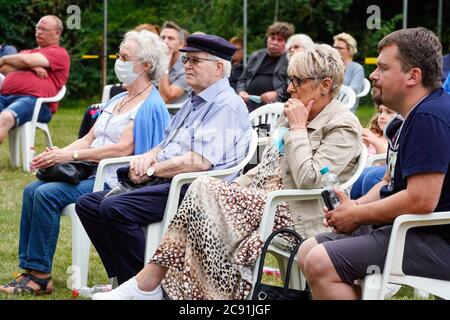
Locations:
{"points": [[131, 122]]}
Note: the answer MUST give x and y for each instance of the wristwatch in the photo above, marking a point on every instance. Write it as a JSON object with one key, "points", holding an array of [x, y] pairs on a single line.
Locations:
{"points": [[150, 171], [75, 155]]}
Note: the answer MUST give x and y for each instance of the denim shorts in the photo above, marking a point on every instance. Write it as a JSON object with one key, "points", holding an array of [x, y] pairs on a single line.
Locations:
{"points": [[427, 252], [22, 108]]}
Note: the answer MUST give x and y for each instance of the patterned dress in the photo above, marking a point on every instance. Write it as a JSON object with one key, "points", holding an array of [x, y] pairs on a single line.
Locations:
{"points": [[212, 242]]}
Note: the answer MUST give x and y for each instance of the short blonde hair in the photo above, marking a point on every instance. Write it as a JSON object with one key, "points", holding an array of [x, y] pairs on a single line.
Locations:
{"points": [[320, 61], [151, 49], [349, 40]]}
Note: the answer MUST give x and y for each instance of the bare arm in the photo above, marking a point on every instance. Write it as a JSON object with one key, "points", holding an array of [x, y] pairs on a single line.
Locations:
{"points": [[123, 147], [25, 60], [188, 162], [413, 200], [169, 92], [374, 192]]}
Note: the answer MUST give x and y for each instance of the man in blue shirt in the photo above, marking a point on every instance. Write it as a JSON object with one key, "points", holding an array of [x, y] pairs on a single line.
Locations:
{"points": [[210, 132], [408, 80]]}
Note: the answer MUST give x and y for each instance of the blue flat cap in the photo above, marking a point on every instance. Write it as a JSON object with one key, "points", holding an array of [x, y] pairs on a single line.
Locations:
{"points": [[210, 43]]}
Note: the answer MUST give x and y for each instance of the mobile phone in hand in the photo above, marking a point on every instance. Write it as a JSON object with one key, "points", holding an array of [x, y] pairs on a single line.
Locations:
{"points": [[327, 199]]}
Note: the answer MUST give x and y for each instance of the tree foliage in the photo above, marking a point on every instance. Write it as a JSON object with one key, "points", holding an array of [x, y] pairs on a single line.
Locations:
{"points": [[321, 19]]}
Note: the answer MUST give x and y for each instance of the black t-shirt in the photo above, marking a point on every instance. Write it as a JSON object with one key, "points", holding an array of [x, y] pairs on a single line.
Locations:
{"points": [[262, 81], [424, 147]]}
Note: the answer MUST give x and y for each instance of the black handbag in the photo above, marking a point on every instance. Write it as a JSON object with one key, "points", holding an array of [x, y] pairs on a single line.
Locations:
{"points": [[269, 292], [70, 172], [126, 185]]}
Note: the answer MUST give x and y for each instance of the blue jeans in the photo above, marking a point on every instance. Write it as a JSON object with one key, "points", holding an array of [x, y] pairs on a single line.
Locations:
{"points": [[22, 108], [369, 177], [39, 225]]}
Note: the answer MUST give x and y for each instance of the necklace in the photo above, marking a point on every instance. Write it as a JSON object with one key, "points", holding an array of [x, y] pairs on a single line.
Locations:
{"points": [[123, 104]]}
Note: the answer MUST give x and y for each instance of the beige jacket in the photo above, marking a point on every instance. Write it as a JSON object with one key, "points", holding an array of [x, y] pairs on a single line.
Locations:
{"points": [[333, 139]]}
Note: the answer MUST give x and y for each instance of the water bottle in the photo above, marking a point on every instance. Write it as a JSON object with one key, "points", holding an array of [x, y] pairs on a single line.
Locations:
{"points": [[89, 291], [330, 180]]}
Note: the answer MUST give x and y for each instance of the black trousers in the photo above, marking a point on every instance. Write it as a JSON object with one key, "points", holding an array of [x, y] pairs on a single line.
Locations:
{"points": [[114, 225]]}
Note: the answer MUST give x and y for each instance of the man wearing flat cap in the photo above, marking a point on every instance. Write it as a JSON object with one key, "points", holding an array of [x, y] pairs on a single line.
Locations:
{"points": [[210, 132]]}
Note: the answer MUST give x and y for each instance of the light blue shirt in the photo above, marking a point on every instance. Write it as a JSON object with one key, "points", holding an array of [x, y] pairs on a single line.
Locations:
{"points": [[354, 78], [214, 124]]}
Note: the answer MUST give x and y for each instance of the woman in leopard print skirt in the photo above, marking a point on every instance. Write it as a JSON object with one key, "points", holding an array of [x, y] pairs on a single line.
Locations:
{"points": [[211, 244]]}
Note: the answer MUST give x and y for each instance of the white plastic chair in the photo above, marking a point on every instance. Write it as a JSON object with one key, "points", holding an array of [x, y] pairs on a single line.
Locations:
{"points": [[274, 198], [376, 159], [347, 96], [81, 243], [365, 90], [266, 114], [374, 286], [154, 232], [22, 138], [106, 94]]}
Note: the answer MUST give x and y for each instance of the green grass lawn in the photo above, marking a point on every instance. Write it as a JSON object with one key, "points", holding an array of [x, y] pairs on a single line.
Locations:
{"points": [[64, 129]]}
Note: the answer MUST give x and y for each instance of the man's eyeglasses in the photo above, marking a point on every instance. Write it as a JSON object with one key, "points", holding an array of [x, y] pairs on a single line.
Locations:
{"points": [[38, 28], [297, 82], [195, 60], [124, 57]]}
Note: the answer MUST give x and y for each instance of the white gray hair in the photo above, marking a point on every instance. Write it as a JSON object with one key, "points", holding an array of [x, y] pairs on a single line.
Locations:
{"points": [[321, 61], [151, 50], [226, 65], [305, 41]]}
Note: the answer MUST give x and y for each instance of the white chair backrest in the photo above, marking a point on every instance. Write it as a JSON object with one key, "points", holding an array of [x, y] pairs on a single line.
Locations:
{"points": [[377, 159], [365, 90], [347, 96], [267, 114], [106, 95], [359, 169]]}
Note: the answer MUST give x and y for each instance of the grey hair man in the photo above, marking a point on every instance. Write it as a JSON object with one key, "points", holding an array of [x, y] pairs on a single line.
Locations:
{"points": [[172, 85]]}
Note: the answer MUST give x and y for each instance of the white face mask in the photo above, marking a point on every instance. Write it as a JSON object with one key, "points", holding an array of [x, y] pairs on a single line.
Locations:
{"points": [[124, 71]]}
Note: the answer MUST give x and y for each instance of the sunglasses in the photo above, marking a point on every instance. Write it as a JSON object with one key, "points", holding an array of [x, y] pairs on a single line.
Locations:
{"points": [[195, 60]]}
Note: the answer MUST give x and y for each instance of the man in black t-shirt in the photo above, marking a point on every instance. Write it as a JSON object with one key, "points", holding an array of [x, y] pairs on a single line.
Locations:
{"points": [[266, 73], [408, 80]]}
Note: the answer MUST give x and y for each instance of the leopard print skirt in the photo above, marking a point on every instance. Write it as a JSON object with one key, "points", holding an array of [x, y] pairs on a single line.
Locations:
{"points": [[212, 242]]}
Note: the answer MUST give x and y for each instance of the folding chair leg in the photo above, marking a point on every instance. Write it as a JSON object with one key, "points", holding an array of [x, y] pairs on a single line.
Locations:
{"points": [[80, 250], [371, 286], [26, 144], [14, 147]]}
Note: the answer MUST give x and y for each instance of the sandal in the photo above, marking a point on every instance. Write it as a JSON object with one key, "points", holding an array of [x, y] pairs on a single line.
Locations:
{"points": [[16, 281], [45, 286]]}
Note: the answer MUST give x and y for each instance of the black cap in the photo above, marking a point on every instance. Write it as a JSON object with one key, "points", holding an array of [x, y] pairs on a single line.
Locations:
{"points": [[210, 43]]}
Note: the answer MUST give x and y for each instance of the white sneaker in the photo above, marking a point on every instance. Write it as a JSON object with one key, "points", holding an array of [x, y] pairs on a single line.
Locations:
{"points": [[129, 291]]}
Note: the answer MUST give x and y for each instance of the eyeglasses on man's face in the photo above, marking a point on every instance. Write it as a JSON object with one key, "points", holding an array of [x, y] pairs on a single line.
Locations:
{"points": [[39, 28], [297, 82], [195, 60]]}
